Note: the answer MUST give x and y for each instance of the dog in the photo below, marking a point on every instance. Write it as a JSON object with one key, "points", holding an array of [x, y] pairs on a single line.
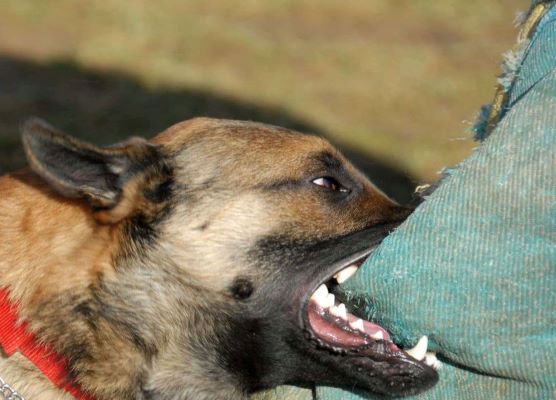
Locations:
{"points": [[201, 264]]}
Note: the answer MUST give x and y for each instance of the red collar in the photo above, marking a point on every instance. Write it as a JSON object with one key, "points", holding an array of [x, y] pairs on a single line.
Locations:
{"points": [[16, 337]]}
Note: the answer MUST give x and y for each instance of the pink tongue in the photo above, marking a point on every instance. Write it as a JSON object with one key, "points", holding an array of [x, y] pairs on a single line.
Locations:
{"points": [[337, 332]]}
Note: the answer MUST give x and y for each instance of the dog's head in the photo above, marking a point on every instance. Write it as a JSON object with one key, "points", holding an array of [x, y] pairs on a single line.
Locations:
{"points": [[232, 238]]}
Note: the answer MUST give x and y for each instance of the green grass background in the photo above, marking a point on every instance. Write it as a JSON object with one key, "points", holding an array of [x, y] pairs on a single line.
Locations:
{"points": [[397, 83]]}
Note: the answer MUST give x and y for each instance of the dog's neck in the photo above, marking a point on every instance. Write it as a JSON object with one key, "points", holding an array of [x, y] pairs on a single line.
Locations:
{"points": [[45, 237], [51, 253], [57, 262], [51, 249]]}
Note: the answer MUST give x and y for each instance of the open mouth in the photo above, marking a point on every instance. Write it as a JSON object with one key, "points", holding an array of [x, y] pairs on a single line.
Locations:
{"points": [[330, 325]]}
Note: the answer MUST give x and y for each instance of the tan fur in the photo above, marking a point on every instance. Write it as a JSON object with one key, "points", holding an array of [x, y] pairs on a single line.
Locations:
{"points": [[48, 235]]}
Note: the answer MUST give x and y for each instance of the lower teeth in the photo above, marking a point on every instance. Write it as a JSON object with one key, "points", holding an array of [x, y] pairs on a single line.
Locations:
{"points": [[418, 352], [432, 361]]}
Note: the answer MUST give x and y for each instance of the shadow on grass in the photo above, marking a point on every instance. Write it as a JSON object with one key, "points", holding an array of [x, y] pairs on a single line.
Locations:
{"points": [[105, 107]]}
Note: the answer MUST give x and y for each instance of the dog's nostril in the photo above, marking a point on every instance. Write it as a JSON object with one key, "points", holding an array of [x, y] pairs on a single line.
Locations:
{"points": [[242, 288]]}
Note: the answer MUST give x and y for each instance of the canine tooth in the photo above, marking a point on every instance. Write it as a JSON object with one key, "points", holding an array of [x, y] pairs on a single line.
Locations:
{"points": [[357, 325], [345, 274], [342, 311], [378, 335], [320, 295], [329, 301], [432, 361], [418, 352]]}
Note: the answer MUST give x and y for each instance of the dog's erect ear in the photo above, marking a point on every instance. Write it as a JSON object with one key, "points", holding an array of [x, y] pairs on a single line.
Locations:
{"points": [[76, 169]]}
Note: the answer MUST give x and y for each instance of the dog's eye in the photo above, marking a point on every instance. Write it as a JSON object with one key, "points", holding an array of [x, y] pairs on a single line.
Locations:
{"points": [[329, 183]]}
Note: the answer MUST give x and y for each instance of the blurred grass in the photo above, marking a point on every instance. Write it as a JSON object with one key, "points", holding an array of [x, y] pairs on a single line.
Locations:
{"points": [[395, 79]]}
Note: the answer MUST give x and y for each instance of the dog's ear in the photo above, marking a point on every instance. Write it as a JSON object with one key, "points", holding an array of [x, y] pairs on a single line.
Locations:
{"points": [[76, 169]]}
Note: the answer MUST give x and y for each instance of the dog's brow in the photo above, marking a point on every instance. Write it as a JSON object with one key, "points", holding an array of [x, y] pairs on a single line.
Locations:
{"points": [[283, 184], [323, 162], [327, 160]]}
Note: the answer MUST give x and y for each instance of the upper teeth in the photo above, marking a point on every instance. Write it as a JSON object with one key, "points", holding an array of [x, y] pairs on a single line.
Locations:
{"points": [[345, 274], [327, 300], [321, 295], [418, 352]]}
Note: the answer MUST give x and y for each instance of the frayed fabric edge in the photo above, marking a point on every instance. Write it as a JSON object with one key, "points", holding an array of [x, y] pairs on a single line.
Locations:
{"points": [[490, 114]]}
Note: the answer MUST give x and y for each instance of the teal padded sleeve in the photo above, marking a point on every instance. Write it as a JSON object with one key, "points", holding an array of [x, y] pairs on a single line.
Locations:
{"points": [[474, 267]]}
